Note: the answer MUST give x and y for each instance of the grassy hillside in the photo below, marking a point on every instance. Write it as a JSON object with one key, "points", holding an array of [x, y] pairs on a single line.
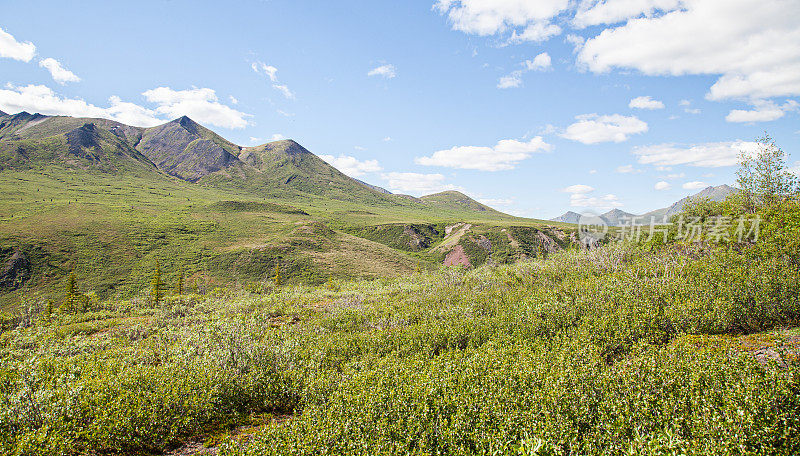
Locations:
{"points": [[622, 350]]}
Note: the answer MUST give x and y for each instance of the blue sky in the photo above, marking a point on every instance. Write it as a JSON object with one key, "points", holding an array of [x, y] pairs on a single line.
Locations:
{"points": [[535, 107]]}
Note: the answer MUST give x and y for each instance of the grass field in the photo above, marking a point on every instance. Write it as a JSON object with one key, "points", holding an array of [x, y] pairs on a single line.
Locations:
{"points": [[623, 350], [111, 229]]}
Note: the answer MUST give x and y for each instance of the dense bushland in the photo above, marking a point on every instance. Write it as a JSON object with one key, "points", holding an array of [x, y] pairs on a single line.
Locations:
{"points": [[582, 353], [608, 351]]}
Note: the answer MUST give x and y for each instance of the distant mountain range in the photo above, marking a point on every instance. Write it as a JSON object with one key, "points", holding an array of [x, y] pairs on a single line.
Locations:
{"points": [[617, 217], [186, 150]]}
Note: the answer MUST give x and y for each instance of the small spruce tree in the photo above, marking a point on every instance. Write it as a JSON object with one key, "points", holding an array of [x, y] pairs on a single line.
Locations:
{"points": [[156, 284], [179, 289], [71, 293]]}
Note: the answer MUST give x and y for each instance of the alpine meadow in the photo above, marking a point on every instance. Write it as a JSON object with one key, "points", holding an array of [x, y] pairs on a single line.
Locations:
{"points": [[178, 278]]}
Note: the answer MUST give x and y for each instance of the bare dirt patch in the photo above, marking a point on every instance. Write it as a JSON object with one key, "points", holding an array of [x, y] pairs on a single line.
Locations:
{"points": [[456, 257]]}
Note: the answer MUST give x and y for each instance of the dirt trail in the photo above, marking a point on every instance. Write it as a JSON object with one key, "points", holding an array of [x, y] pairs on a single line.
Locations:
{"points": [[452, 238]]}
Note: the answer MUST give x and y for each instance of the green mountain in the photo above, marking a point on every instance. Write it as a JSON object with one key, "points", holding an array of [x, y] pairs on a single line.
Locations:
{"points": [[108, 201], [454, 200]]}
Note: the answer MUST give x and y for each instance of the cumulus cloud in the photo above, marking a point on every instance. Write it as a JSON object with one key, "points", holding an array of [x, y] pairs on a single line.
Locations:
{"points": [[539, 63], [42, 99], [694, 185], [594, 128], [201, 104], [10, 48], [599, 12], [511, 81], [524, 20], [645, 103], [763, 111], [579, 189], [417, 183], [352, 166], [505, 155], [496, 201], [750, 44], [582, 196], [386, 71], [709, 155], [662, 185], [60, 74]]}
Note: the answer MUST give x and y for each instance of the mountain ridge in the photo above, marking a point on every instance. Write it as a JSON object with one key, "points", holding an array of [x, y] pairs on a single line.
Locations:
{"points": [[616, 216], [186, 150]]}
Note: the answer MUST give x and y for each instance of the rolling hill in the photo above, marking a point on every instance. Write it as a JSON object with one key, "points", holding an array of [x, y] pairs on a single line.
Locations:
{"points": [[108, 201]]}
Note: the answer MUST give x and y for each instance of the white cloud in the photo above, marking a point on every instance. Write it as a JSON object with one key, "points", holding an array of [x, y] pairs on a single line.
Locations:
{"points": [[42, 99], [282, 88], [503, 156], [662, 185], [581, 196], [692, 110], [352, 166], [262, 68], [539, 63], [386, 71], [593, 128], [685, 102], [10, 48], [750, 44], [578, 189], [233, 99], [592, 171], [594, 12], [539, 31], [763, 111], [695, 185], [60, 74], [416, 183], [255, 140], [277, 137], [645, 103], [709, 155], [200, 104], [272, 73], [627, 169], [496, 201], [527, 20], [511, 81], [795, 169], [387, 139], [675, 176]]}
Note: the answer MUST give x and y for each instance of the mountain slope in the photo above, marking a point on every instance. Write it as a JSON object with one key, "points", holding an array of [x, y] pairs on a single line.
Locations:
{"points": [[718, 193], [184, 149], [616, 217], [567, 217], [453, 200]]}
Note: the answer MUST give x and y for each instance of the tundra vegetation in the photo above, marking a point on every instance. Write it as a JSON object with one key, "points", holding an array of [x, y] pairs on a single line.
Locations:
{"points": [[655, 347]]}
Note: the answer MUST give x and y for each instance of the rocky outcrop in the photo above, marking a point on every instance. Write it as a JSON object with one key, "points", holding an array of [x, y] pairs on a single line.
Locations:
{"points": [[16, 271]]}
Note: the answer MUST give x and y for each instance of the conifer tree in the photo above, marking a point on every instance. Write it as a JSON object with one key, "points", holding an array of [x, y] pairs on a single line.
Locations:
{"points": [[180, 283], [71, 292], [156, 284]]}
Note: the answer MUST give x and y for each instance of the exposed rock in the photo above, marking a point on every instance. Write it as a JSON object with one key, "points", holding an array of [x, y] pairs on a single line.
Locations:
{"points": [[16, 271], [456, 257]]}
